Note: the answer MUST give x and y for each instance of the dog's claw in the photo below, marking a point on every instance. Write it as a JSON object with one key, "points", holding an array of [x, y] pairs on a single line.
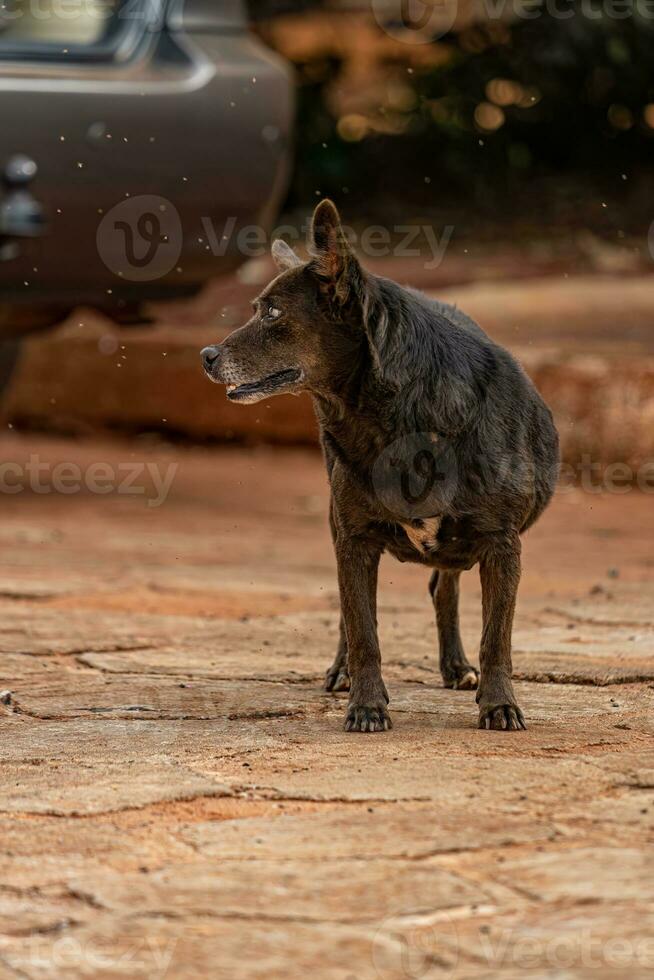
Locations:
{"points": [[337, 680], [503, 717], [467, 679], [361, 718]]}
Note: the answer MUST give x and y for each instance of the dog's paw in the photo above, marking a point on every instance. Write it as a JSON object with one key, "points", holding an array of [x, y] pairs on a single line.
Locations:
{"points": [[501, 717], [367, 718], [464, 678], [337, 679]]}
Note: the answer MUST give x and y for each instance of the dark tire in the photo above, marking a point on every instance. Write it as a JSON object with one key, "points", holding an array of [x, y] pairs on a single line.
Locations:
{"points": [[9, 350]]}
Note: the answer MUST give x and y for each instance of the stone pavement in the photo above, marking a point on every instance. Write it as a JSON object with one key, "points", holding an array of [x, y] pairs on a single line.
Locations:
{"points": [[178, 797]]}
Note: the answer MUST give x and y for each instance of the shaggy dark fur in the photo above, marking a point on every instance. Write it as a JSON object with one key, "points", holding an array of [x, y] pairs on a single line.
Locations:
{"points": [[438, 449]]}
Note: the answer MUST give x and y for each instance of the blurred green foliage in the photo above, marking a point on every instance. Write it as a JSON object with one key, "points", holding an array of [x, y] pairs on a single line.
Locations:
{"points": [[552, 102]]}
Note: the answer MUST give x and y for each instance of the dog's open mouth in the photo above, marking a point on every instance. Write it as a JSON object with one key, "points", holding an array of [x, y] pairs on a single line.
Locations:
{"points": [[272, 384]]}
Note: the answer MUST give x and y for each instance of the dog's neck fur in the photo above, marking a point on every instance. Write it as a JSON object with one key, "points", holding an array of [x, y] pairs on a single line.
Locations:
{"points": [[369, 403], [355, 434], [411, 373]]}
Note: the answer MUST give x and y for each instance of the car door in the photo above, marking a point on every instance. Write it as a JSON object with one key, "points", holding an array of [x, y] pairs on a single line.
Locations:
{"points": [[136, 137]]}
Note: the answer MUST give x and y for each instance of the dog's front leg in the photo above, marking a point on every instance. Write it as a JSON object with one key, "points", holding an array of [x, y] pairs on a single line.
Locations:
{"points": [[500, 576], [358, 561]]}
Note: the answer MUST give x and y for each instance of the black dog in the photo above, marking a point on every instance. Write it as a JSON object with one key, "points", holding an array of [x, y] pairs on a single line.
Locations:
{"points": [[438, 449]]}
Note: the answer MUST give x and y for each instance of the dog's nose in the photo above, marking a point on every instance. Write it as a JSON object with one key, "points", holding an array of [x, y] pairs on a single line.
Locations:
{"points": [[209, 357]]}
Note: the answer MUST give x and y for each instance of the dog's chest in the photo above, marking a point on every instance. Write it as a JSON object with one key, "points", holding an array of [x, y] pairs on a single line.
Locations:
{"points": [[439, 542], [423, 533]]}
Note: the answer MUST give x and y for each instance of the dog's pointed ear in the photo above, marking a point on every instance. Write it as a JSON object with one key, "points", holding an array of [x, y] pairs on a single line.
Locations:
{"points": [[284, 256], [333, 259]]}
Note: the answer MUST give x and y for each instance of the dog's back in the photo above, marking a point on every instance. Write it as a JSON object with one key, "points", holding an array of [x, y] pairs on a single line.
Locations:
{"points": [[456, 317], [542, 436], [505, 438]]}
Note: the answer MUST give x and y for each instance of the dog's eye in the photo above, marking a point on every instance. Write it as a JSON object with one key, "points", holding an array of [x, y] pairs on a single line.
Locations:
{"points": [[274, 312]]}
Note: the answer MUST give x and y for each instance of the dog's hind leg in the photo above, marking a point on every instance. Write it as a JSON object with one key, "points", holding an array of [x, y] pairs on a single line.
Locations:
{"points": [[457, 672], [500, 574], [337, 677]]}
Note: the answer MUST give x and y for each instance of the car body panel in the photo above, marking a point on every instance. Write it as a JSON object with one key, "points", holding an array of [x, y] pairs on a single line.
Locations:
{"points": [[199, 116]]}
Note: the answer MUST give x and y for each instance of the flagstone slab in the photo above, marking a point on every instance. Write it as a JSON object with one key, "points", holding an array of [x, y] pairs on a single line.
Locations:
{"points": [[352, 891], [178, 797], [408, 830]]}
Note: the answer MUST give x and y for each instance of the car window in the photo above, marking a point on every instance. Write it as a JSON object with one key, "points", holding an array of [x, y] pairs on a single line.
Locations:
{"points": [[41, 24]]}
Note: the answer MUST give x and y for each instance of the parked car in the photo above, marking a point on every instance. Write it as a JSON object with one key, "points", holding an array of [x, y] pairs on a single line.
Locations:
{"points": [[136, 138]]}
